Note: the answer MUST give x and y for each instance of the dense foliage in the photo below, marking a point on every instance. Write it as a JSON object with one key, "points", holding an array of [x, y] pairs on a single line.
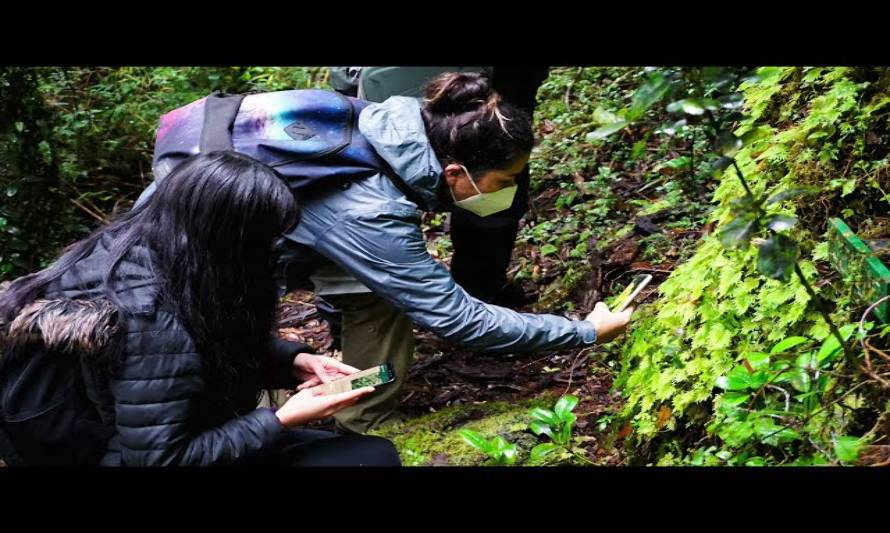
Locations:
{"points": [[720, 181]]}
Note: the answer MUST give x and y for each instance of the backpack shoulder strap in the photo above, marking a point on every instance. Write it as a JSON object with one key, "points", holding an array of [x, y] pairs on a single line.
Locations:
{"points": [[220, 111]]}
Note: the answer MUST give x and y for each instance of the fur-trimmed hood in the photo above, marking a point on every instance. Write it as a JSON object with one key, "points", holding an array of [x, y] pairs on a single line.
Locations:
{"points": [[74, 314], [62, 324]]}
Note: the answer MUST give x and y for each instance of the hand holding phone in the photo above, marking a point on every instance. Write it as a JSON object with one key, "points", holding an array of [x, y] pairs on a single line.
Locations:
{"points": [[313, 404], [609, 324], [372, 377], [634, 289], [314, 369]]}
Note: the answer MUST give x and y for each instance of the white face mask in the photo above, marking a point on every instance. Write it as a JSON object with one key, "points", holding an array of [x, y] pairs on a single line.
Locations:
{"points": [[486, 203]]}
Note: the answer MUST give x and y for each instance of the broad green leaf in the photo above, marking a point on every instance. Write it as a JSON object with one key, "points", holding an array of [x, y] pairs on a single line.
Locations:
{"points": [[780, 222], [734, 398], [650, 92], [758, 379], [755, 461], [804, 396], [603, 117], [565, 405], [683, 161], [475, 440], [737, 379], [539, 428], [831, 347], [790, 193], [779, 366], [565, 434], [548, 249], [672, 128], [847, 448], [745, 203], [605, 131], [542, 450], [737, 233], [727, 144], [568, 418], [786, 344], [806, 361], [777, 256], [690, 106], [544, 415], [800, 378], [771, 432], [693, 106], [722, 163], [758, 360], [732, 101]]}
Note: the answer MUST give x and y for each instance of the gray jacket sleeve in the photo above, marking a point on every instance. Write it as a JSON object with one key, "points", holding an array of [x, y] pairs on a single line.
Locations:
{"points": [[386, 251]]}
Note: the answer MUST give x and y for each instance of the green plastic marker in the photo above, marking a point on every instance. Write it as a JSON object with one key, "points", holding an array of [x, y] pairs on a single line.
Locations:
{"points": [[857, 261]]}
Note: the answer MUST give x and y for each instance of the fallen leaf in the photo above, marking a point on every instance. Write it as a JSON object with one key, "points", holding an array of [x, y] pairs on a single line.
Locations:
{"points": [[664, 414]]}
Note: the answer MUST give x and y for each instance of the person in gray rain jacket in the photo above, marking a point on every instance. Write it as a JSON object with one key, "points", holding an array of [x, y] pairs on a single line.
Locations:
{"points": [[360, 241]]}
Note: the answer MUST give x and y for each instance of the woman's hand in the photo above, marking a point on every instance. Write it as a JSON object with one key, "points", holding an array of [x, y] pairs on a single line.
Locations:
{"points": [[608, 324], [312, 403], [316, 369]]}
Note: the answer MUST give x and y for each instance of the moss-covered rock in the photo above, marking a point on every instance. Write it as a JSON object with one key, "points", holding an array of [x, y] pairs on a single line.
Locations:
{"points": [[434, 439], [804, 128]]}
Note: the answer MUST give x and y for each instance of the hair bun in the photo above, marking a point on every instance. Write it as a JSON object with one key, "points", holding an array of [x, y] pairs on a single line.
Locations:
{"points": [[459, 92]]}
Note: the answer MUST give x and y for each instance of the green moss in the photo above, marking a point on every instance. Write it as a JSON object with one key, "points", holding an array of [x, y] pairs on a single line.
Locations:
{"points": [[717, 306], [435, 438]]}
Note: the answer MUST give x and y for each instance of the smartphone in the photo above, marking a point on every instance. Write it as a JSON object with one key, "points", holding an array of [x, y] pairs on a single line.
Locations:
{"points": [[638, 284], [371, 377]]}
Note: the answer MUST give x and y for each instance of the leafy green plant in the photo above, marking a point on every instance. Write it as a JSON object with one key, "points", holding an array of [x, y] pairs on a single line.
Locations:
{"points": [[771, 398], [557, 425], [498, 450], [696, 93]]}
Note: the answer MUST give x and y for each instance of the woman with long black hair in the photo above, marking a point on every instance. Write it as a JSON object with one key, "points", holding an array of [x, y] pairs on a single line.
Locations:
{"points": [[170, 309]]}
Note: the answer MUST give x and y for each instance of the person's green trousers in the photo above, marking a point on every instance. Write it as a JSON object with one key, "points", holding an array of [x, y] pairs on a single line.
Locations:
{"points": [[373, 332]]}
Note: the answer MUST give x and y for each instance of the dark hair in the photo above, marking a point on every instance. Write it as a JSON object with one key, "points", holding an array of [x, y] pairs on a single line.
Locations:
{"points": [[209, 229], [468, 123]]}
